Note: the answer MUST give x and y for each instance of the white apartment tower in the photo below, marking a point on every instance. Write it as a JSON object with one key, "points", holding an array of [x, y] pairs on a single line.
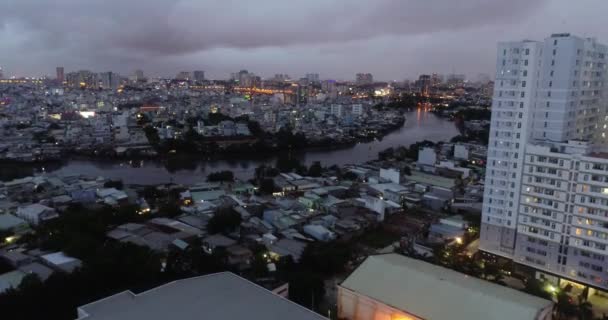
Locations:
{"points": [[544, 201]]}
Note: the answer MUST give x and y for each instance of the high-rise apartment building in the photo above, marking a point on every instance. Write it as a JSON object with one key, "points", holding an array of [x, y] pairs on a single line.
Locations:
{"points": [[82, 78], [198, 75], [109, 80], [137, 76], [364, 79], [546, 188], [183, 75], [424, 84], [60, 75], [1, 73], [312, 77]]}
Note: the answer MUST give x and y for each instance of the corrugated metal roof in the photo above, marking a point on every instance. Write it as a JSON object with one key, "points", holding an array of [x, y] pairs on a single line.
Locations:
{"points": [[218, 296], [436, 293]]}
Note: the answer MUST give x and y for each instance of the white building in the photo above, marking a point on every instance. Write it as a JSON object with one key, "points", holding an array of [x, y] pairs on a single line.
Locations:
{"points": [[427, 156], [357, 109], [391, 174], [392, 286], [336, 110], [544, 203], [461, 152]]}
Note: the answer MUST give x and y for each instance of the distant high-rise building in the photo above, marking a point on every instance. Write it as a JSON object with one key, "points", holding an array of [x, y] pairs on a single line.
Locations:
{"points": [[456, 79], [183, 75], [280, 77], [436, 80], [138, 76], [198, 75], [546, 187], [109, 80], [82, 78], [1, 73], [364, 79], [483, 78], [424, 84], [312, 77], [60, 75]]}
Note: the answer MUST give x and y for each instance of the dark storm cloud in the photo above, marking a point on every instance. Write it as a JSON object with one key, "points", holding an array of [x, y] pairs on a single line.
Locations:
{"points": [[159, 27], [168, 34]]}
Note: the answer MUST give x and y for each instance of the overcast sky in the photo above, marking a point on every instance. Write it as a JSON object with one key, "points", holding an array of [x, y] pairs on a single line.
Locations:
{"points": [[392, 39]]}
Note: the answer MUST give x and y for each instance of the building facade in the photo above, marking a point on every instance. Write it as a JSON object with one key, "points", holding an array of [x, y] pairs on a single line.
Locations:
{"points": [[199, 75], [546, 137]]}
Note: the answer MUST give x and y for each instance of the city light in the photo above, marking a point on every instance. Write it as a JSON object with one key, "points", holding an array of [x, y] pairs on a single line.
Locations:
{"points": [[86, 114]]}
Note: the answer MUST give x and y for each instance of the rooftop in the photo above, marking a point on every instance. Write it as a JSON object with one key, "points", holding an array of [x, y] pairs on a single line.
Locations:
{"points": [[433, 292], [216, 296]]}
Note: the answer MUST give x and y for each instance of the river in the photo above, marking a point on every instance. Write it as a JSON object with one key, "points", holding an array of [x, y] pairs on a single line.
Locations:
{"points": [[419, 125]]}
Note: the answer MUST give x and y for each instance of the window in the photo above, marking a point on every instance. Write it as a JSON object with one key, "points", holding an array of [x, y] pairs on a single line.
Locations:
{"points": [[523, 84], [527, 52], [526, 62], [555, 42], [526, 72], [552, 62], [554, 51]]}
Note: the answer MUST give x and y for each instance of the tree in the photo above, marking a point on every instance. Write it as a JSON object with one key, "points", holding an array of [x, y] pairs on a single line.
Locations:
{"points": [[288, 163], [349, 175], [117, 184], [315, 169], [407, 171], [537, 288], [152, 135], [267, 186], [326, 258], [225, 220], [225, 175], [169, 209], [306, 288]]}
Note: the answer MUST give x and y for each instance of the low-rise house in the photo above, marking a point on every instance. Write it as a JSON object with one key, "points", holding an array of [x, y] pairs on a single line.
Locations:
{"points": [[434, 202], [319, 232], [287, 247], [36, 213], [13, 224], [211, 243], [41, 271], [239, 256], [112, 196], [11, 280], [440, 232], [61, 262], [16, 258]]}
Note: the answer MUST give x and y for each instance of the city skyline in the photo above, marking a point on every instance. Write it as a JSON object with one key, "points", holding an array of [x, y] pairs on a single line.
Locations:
{"points": [[162, 38]]}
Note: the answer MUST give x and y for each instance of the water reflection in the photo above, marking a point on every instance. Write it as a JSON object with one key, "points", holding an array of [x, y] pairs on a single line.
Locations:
{"points": [[420, 125]]}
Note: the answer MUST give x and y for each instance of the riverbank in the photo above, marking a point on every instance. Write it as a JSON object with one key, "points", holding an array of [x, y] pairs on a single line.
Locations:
{"points": [[420, 125]]}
